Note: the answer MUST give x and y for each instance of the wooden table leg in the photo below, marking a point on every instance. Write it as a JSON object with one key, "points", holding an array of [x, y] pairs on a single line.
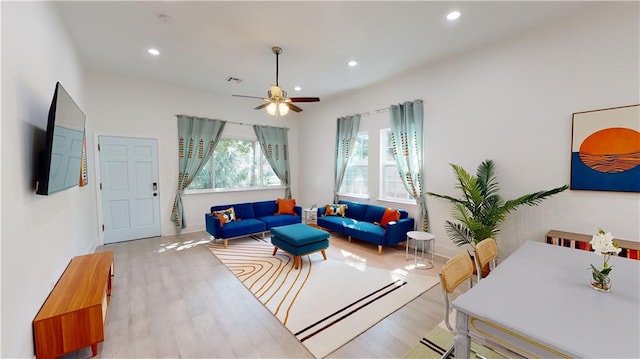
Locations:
{"points": [[275, 249], [324, 255]]}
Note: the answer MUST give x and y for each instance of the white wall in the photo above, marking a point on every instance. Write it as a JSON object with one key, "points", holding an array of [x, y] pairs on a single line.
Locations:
{"points": [[511, 102], [127, 107], [40, 234]]}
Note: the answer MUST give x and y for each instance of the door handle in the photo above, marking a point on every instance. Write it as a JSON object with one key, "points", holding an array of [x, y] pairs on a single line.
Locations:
{"points": [[154, 194], [155, 186]]}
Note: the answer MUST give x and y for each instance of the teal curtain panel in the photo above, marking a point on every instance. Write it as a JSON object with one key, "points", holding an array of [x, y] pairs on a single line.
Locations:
{"points": [[197, 138], [407, 126]]}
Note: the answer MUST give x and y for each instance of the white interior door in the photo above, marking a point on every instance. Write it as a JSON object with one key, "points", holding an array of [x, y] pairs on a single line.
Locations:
{"points": [[129, 188]]}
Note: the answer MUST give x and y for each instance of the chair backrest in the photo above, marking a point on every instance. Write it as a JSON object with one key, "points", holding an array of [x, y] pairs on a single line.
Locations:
{"points": [[456, 270], [486, 252]]}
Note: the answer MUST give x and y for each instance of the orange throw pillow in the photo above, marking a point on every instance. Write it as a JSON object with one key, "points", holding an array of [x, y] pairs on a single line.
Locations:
{"points": [[390, 215], [285, 206]]}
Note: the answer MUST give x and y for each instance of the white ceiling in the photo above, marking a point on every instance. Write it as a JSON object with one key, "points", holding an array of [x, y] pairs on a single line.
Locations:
{"points": [[208, 41]]}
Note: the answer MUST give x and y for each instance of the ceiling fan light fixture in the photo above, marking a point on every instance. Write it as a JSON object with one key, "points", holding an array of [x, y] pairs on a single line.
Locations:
{"points": [[277, 103], [271, 109], [277, 109], [283, 109]]}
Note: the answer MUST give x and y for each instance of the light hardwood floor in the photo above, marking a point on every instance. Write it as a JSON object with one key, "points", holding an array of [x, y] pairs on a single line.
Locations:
{"points": [[172, 298]]}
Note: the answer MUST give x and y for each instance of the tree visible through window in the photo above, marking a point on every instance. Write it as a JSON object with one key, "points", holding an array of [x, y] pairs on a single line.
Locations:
{"points": [[236, 163], [356, 178]]}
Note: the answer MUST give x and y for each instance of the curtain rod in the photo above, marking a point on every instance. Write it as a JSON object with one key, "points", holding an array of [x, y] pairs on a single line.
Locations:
{"points": [[380, 110], [251, 124], [386, 109]]}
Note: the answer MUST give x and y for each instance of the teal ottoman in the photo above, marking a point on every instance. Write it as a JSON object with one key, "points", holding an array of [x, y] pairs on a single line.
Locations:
{"points": [[299, 239]]}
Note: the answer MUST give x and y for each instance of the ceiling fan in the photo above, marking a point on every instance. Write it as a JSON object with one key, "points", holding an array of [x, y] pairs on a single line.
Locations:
{"points": [[277, 103]]}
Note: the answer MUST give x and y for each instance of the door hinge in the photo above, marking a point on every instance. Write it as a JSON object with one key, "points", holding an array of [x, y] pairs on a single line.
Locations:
{"points": [[103, 227], [98, 147], [101, 186]]}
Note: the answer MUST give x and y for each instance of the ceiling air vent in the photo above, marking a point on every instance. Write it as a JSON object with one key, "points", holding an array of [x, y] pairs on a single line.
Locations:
{"points": [[233, 79]]}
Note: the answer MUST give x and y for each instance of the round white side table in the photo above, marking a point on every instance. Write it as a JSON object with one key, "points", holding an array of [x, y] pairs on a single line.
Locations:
{"points": [[310, 216], [421, 237]]}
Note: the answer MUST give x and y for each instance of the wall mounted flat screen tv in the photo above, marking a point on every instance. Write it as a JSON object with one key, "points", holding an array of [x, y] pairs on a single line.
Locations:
{"points": [[61, 164]]}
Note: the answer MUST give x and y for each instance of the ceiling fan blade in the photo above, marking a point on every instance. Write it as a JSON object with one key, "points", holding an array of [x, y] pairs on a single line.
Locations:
{"points": [[262, 106], [304, 99], [262, 98], [293, 107]]}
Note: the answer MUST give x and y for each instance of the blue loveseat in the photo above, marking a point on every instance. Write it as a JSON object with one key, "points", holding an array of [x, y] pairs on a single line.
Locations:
{"points": [[251, 218], [359, 222]]}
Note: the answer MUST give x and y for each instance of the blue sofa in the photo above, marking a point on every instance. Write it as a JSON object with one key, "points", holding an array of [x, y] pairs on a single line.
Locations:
{"points": [[251, 218], [358, 222]]}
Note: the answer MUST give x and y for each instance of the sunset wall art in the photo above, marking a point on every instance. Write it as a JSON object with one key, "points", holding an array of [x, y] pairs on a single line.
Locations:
{"points": [[605, 150]]}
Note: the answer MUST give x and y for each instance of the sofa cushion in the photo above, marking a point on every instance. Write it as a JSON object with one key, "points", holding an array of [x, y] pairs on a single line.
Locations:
{"points": [[243, 227], [264, 208], [285, 206], [244, 211], [389, 215], [370, 232], [355, 210], [336, 223], [374, 214], [279, 220], [225, 215]]}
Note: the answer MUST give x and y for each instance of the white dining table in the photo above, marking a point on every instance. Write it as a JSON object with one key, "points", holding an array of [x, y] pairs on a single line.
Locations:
{"points": [[539, 303]]}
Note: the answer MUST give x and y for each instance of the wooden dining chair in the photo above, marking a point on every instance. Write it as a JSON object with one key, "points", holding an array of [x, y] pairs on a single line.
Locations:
{"points": [[455, 271], [486, 252]]}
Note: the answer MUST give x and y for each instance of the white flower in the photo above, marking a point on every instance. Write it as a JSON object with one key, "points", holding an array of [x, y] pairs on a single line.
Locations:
{"points": [[602, 243]]}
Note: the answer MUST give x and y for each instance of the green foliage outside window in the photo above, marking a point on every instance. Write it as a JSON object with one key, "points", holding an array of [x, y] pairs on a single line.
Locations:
{"points": [[236, 163]]}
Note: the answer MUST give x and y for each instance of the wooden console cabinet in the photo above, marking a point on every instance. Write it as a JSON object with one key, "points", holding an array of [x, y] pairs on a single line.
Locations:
{"points": [[581, 241], [74, 314]]}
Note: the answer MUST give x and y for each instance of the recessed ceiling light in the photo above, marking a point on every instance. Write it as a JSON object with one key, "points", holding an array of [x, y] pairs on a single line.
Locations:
{"points": [[297, 88], [154, 52], [454, 15], [352, 63]]}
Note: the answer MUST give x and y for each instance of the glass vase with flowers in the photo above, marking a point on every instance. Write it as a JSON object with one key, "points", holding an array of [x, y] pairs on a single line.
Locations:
{"points": [[603, 245]]}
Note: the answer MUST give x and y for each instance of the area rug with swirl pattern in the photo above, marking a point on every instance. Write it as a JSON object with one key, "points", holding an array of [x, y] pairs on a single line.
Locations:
{"points": [[326, 303]]}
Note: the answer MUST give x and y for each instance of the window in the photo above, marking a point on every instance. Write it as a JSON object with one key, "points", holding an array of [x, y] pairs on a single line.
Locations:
{"points": [[356, 177], [391, 184], [235, 164]]}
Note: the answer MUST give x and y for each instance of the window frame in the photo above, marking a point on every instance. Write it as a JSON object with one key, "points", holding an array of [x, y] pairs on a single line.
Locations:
{"points": [[259, 166], [384, 164], [366, 195]]}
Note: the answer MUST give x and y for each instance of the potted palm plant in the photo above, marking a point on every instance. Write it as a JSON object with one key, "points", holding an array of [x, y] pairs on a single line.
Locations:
{"points": [[480, 211]]}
